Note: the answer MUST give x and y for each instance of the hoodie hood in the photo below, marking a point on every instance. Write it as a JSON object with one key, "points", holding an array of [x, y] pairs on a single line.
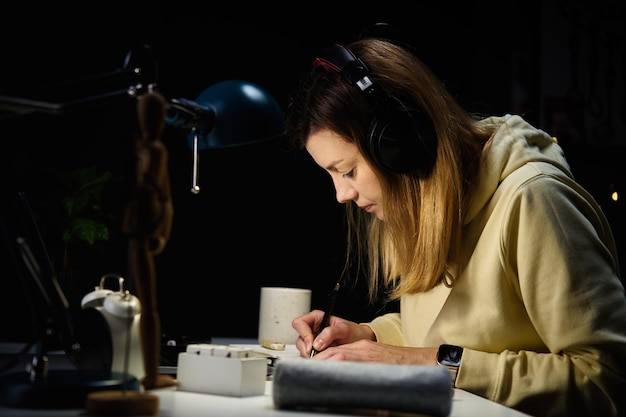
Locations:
{"points": [[514, 143]]}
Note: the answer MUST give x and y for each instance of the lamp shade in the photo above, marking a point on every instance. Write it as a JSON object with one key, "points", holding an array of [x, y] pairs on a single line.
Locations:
{"points": [[229, 113]]}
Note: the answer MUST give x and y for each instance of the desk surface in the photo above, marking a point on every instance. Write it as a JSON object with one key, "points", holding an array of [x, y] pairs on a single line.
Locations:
{"points": [[189, 404], [173, 403]]}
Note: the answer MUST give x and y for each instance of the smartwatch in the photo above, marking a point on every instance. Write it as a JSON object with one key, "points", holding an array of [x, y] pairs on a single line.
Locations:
{"points": [[450, 357]]}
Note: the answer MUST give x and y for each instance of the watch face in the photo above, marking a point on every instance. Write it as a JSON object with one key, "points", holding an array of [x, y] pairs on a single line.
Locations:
{"points": [[450, 355]]}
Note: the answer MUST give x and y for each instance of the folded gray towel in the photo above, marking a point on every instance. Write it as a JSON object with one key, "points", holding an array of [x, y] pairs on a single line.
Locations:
{"points": [[302, 383]]}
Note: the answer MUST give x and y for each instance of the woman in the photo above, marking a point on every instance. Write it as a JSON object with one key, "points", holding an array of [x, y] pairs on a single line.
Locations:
{"points": [[505, 267]]}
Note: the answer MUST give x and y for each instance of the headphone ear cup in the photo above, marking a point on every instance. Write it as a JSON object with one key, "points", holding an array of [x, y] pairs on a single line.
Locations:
{"points": [[403, 140]]}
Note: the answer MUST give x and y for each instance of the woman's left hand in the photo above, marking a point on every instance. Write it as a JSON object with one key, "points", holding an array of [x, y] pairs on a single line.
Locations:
{"points": [[370, 351]]}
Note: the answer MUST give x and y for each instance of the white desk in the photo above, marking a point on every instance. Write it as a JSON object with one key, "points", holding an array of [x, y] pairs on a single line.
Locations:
{"points": [[173, 403], [188, 404]]}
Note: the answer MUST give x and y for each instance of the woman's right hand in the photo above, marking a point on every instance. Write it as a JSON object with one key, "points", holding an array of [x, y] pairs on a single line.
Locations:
{"points": [[338, 332]]}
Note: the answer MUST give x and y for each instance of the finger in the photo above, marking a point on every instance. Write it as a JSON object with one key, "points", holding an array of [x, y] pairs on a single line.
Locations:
{"points": [[305, 324], [303, 347]]}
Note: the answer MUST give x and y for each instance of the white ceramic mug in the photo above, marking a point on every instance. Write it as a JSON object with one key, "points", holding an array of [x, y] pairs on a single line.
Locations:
{"points": [[278, 307]]}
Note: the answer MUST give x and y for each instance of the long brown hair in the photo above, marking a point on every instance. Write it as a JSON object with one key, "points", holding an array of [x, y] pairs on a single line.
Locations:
{"points": [[415, 247]]}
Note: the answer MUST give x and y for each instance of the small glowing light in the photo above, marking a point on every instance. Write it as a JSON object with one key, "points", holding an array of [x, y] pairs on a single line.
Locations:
{"points": [[554, 139], [614, 196]]}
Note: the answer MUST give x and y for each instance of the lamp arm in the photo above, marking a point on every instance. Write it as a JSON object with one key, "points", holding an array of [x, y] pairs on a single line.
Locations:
{"points": [[188, 114]]}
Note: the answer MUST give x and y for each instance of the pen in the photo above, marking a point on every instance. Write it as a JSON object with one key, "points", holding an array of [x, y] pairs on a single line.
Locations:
{"points": [[327, 314]]}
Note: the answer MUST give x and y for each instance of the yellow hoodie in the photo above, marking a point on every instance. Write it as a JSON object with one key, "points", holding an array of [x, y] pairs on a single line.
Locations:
{"points": [[538, 306]]}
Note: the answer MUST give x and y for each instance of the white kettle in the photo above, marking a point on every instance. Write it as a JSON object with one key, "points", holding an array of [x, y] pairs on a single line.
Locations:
{"points": [[115, 313]]}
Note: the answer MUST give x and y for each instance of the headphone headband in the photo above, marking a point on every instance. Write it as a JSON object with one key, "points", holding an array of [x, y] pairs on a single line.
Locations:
{"points": [[401, 137], [340, 59]]}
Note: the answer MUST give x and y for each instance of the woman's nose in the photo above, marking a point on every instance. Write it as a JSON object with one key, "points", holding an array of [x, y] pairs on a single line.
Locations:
{"points": [[345, 192]]}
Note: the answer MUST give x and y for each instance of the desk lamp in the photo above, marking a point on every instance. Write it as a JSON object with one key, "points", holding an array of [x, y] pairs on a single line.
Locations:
{"points": [[230, 113]]}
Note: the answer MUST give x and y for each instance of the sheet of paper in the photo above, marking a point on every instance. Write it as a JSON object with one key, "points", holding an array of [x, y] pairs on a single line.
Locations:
{"points": [[289, 351]]}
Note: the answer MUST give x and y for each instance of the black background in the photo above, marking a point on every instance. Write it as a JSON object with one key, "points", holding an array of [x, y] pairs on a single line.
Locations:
{"points": [[264, 217]]}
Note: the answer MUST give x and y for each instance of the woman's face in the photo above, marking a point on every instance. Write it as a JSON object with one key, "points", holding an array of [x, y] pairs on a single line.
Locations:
{"points": [[352, 176]]}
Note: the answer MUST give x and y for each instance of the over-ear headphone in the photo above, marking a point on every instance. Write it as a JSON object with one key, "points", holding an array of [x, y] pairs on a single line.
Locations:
{"points": [[401, 137]]}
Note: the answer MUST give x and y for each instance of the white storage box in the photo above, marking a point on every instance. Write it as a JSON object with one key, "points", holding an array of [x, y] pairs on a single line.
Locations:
{"points": [[222, 370]]}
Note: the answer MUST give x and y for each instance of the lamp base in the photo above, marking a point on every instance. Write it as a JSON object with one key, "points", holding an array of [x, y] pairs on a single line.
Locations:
{"points": [[61, 388], [121, 403]]}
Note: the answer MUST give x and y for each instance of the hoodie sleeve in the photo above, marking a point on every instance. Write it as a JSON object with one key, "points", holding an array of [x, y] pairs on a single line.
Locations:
{"points": [[388, 329], [561, 256]]}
